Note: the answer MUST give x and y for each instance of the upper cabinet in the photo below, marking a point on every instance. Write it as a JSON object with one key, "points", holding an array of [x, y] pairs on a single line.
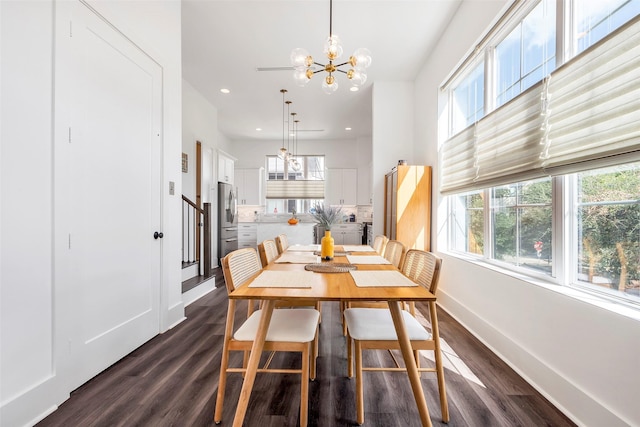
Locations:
{"points": [[342, 187], [249, 183], [225, 167], [365, 194]]}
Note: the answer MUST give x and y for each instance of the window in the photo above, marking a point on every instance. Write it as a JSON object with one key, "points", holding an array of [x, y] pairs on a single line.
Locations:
{"points": [[468, 99], [468, 220], [547, 183], [594, 19], [311, 169], [608, 229], [527, 54], [521, 224]]}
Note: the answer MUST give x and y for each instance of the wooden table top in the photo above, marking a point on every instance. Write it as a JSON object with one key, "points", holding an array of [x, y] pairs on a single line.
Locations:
{"points": [[335, 287]]}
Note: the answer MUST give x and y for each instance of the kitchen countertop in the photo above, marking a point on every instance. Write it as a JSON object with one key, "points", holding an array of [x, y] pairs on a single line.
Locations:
{"points": [[299, 234]]}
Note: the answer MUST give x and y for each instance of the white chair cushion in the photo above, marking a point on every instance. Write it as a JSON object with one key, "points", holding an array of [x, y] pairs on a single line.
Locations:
{"points": [[287, 325], [376, 324]]}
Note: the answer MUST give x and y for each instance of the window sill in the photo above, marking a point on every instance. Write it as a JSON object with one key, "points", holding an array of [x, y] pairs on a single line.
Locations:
{"points": [[623, 308]]}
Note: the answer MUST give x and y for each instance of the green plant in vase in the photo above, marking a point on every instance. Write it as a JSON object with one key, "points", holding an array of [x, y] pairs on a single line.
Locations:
{"points": [[326, 216]]}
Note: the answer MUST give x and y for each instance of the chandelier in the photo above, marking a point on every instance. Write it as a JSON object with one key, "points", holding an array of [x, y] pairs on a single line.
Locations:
{"points": [[291, 130], [359, 62]]}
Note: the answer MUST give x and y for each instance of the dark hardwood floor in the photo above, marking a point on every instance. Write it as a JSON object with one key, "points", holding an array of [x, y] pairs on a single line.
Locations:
{"points": [[172, 381]]}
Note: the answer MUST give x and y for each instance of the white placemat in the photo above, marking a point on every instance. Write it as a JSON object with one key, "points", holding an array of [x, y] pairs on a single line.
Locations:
{"points": [[284, 279], [297, 258], [304, 248], [367, 259], [358, 248], [374, 278]]}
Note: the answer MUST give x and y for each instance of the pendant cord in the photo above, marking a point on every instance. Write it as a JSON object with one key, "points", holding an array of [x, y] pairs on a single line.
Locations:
{"points": [[330, 18]]}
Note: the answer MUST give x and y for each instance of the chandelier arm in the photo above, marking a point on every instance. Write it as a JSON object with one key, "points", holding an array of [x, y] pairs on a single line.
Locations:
{"points": [[340, 65], [318, 71], [340, 71]]}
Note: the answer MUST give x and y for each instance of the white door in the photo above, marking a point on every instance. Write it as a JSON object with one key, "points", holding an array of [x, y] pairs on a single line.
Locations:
{"points": [[108, 94]]}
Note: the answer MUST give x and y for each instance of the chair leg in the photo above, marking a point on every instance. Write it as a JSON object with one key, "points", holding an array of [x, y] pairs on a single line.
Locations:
{"points": [[222, 384], [359, 385], [304, 386], [349, 356], [416, 355], [444, 407], [343, 306], [224, 363], [313, 355]]}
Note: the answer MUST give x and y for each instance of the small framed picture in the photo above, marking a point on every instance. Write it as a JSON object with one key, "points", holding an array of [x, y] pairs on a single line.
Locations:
{"points": [[185, 163]]}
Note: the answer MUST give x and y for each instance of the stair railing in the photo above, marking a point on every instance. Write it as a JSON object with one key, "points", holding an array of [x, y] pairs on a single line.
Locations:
{"points": [[196, 235]]}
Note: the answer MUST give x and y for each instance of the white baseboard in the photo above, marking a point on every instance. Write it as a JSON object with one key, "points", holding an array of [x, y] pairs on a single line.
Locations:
{"points": [[199, 291]]}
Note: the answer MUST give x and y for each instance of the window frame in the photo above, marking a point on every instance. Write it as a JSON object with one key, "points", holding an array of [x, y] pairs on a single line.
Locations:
{"points": [[564, 265]]}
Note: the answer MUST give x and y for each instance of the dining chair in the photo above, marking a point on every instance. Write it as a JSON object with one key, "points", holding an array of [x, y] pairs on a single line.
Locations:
{"points": [[373, 329], [394, 252], [379, 243], [268, 251], [282, 242], [291, 330], [268, 254]]}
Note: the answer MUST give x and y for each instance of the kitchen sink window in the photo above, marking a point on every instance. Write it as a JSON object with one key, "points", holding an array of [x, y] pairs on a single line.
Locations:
{"points": [[291, 189]]}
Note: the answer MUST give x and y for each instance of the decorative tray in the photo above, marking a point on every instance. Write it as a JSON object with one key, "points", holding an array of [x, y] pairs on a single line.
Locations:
{"points": [[330, 267]]}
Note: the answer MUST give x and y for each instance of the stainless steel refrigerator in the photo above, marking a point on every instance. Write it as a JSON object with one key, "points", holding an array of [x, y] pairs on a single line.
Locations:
{"points": [[227, 219]]}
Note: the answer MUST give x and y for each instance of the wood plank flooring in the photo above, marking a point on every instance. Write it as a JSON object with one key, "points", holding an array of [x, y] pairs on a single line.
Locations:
{"points": [[172, 381]]}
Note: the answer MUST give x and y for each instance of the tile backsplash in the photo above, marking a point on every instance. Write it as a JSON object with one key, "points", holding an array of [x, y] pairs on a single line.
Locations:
{"points": [[251, 213]]}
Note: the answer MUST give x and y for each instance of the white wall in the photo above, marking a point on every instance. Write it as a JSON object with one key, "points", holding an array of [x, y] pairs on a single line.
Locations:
{"points": [[31, 346], [393, 136], [584, 358], [338, 153], [199, 123]]}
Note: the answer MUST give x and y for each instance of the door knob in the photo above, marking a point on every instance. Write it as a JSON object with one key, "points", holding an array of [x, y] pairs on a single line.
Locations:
{"points": [[157, 235]]}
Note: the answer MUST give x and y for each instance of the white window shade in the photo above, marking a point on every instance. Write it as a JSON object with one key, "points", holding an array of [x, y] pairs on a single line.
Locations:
{"points": [[295, 189], [457, 161], [503, 147], [510, 139], [585, 115], [594, 103]]}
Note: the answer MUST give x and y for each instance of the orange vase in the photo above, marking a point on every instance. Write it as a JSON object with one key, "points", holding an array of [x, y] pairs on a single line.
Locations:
{"points": [[326, 246]]}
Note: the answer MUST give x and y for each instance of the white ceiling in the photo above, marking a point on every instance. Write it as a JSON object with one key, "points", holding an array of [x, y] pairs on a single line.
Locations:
{"points": [[224, 42]]}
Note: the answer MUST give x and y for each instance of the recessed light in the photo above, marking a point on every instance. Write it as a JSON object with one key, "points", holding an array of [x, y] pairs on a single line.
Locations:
{"points": [[354, 88], [347, 128], [224, 90], [258, 129]]}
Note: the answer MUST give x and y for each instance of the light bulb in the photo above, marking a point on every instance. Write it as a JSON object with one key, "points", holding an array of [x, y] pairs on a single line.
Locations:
{"points": [[283, 153], [332, 47], [362, 58], [300, 58], [329, 85], [300, 77], [295, 165], [357, 77]]}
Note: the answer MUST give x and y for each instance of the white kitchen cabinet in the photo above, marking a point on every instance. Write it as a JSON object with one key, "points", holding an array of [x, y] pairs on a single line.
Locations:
{"points": [[225, 167], [247, 235], [347, 234], [249, 183], [342, 187], [365, 194]]}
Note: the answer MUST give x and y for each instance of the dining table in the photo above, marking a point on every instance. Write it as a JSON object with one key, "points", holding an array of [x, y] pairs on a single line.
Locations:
{"points": [[334, 286]]}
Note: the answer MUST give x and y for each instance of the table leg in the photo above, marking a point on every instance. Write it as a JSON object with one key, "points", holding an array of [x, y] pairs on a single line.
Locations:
{"points": [[410, 363], [254, 360]]}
